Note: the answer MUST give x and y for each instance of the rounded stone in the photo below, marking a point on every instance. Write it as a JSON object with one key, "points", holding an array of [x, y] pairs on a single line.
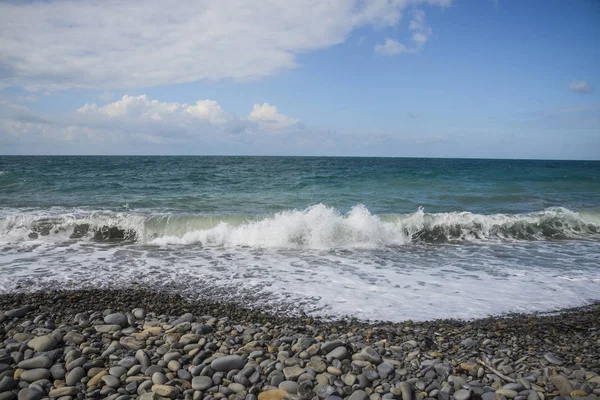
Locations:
{"points": [[42, 343], [111, 381], [228, 363], [462, 394], [117, 371], [166, 391], [42, 361], [116, 319], [29, 394], [236, 387], [289, 386], [202, 383], [158, 378], [36, 374], [75, 376]]}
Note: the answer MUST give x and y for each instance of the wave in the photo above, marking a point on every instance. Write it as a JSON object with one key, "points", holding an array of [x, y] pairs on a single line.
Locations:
{"points": [[318, 227]]}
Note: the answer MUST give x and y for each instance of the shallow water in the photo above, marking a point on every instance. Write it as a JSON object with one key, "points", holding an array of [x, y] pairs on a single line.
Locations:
{"points": [[373, 238]]}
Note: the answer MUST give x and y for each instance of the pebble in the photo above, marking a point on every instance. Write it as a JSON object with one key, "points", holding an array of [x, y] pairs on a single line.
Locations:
{"points": [[116, 319], [75, 376], [217, 354], [42, 343], [551, 358], [36, 374], [562, 384], [289, 386], [462, 394], [202, 383], [42, 361], [166, 391], [228, 363], [63, 392], [29, 394]]}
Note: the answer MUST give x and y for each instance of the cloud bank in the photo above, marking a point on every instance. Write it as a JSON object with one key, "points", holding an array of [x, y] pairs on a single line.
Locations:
{"points": [[126, 45]]}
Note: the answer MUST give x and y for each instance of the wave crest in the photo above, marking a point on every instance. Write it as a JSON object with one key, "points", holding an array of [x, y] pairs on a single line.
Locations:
{"points": [[318, 227]]}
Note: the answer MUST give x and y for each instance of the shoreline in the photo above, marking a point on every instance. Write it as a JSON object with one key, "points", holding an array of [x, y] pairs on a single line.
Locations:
{"points": [[184, 343]]}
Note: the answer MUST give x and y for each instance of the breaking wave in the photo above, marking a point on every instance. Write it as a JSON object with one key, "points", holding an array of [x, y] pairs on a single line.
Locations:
{"points": [[318, 227]]}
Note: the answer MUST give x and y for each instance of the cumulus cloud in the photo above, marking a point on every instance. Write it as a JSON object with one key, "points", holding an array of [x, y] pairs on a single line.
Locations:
{"points": [[268, 117], [142, 108], [113, 44], [581, 87], [391, 47]]}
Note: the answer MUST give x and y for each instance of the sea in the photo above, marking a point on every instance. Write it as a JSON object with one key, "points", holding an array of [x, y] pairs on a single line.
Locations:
{"points": [[372, 238]]}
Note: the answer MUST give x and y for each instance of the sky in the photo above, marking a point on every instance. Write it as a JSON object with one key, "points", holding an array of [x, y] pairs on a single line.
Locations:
{"points": [[393, 78]]}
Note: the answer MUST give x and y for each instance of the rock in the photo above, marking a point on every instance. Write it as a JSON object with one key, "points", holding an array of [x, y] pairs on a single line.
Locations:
{"points": [[325, 391], [131, 343], [552, 359], [74, 337], [63, 391], [368, 354], [42, 343], [139, 313], [289, 386], [328, 346], [97, 378], [36, 374], [202, 383], [509, 394], [228, 363], [158, 378], [339, 353], [42, 361], [317, 365], [468, 343], [142, 358], [166, 391], [462, 394], [107, 328], [384, 369], [406, 390], [117, 371], [292, 373], [276, 394], [58, 371], [458, 381], [29, 394], [358, 395], [236, 387], [111, 381], [18, 312], [562, 384], [7, 383], [75, 376], [116, 319]]}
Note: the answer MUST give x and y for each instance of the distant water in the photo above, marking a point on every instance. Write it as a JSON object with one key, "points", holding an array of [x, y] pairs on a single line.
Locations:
{"points": [[376, 238]]}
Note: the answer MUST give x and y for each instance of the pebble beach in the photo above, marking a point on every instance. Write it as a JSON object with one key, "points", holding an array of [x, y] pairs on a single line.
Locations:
{"points": [[138, 343]]}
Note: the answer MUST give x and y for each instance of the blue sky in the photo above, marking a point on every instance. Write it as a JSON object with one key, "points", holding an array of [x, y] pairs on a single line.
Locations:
{"points": [[407, 78]]}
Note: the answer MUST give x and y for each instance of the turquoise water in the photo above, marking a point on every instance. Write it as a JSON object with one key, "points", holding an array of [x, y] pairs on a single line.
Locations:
{"points": [[384, 238]]}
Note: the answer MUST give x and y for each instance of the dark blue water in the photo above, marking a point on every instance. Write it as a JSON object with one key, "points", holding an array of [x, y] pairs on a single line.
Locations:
{"points": [[408, 233]]}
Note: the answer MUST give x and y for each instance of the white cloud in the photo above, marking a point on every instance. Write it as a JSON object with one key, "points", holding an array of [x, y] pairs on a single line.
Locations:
{"points": [[421, 33], [268, 118], [581, 87], [391, 47], [112, 44], [141, 108]]}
